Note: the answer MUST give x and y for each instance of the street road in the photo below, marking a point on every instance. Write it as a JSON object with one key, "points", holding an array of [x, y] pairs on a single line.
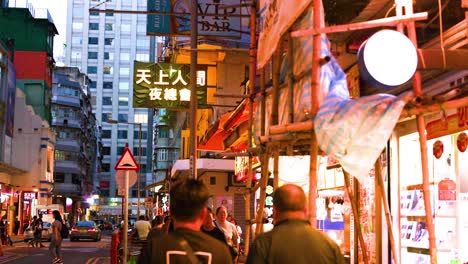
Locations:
{"points": [[78, 252]]}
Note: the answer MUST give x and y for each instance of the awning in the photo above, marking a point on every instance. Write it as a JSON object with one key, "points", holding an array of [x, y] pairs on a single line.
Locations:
{"points": [[216, 136], [203, 165]]}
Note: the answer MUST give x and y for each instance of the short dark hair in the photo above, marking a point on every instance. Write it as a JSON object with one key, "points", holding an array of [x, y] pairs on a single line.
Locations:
{"points": [[188, 199], [289, 197]]}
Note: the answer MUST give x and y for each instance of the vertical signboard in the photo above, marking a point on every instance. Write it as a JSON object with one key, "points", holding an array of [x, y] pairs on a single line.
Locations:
{"points": [[216, 18]]}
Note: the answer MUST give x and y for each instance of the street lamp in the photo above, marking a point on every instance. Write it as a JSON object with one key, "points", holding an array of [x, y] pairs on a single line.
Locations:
{"points": [[112, 121]]}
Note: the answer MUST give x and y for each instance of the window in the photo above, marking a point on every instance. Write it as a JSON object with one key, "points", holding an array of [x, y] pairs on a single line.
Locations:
{"points": [[93, 100], [65, 155], [107, 85], [124, 71], [93, 26], [92, 69], [120, 150], [124, 56], [76, 56], [136, 153], [92, 55], [109, 14], [144, 134], [93, 40], [126, 16], [107, 101], [122, 134], [77, 26], [108, 70], [106, 151], [141, 28], [94, 13], [125, 28], [59, 177], [123, 86], [212, 180], [163, 132], [162, 155], [142, 57], [108, 55], [77, 40], [125, 42], [105, 167], [142, 42], [123, 101], [141, 118], [108, 41], [77, 11], [92, 84], [123, 118], [109, 27], [106, 133], [106, 116]]}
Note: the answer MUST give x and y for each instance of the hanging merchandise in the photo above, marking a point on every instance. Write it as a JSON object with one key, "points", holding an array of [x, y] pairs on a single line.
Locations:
{"points": [[438, 149], [462, 142]]}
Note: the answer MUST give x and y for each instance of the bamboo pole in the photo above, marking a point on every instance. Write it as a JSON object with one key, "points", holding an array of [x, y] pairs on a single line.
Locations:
{"points": [[276, 169], [357, 224], [315, 86], [276, 79], [390, 21], [290, 80], [252, 74], [381, 188], [427, 109], [417, 88], [305, 126], [263, 185]]}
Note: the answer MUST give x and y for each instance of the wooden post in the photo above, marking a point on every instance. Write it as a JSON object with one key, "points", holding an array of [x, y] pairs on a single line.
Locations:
{"points": [[357, 224], [252, 74], [379, 182]]}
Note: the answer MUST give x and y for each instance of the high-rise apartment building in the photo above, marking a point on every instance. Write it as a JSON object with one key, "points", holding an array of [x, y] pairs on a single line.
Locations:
{"points": [[104, 45]]}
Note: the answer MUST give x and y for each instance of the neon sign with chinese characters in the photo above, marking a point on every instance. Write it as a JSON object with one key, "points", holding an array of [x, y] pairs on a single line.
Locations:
{"points": [[167, 85]]}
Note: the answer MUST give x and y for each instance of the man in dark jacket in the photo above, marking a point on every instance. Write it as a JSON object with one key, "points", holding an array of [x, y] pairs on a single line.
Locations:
{"points": [[186, 244], [293, 239]]}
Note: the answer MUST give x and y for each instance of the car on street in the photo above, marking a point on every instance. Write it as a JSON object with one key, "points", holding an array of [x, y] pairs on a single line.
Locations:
{"points": [[46, 232], [85, 230]]}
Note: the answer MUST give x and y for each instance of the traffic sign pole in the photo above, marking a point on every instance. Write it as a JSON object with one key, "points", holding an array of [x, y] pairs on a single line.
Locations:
{"points": [[125, 226]]}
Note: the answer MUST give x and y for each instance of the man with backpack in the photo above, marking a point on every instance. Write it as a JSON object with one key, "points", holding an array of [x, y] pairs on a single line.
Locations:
{"points": [[186, 244]]}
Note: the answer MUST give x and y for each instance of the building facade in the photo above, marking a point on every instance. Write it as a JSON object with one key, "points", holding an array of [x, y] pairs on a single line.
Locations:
{"points": [[77, 153], [28, 142], [104, 45]]}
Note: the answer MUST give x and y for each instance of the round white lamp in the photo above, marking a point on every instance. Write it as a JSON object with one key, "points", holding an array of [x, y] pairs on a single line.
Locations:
{"points": [[387, 59]]}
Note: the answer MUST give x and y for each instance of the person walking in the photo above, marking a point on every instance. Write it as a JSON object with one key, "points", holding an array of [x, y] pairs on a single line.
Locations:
{"points": [[211, 229], [56, 239], [186, 244], [229, 230], [293, 238], [38, 226], [142, 228]]}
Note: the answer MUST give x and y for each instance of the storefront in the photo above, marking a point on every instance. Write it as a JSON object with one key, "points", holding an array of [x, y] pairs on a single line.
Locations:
{"points": [[448, 178]]}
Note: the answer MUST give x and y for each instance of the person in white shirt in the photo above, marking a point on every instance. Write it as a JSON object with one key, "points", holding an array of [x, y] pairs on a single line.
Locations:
{"points": [[142, 228], [229, 230]]}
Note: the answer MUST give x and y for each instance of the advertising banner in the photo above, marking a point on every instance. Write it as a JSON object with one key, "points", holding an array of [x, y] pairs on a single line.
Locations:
{"points": [[276, 16], [167, 85], [218, 24]]}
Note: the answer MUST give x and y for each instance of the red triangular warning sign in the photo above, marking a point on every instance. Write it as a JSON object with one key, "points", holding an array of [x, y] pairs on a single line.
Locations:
{"points": [[126, 161]]}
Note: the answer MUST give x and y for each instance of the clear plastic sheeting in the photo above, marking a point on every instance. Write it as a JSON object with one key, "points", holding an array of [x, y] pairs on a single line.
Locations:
{"points": [[354, 131]]}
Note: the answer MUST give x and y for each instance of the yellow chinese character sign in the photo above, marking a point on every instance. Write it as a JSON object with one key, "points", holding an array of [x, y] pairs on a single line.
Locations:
{"points": [[167, 85]]}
